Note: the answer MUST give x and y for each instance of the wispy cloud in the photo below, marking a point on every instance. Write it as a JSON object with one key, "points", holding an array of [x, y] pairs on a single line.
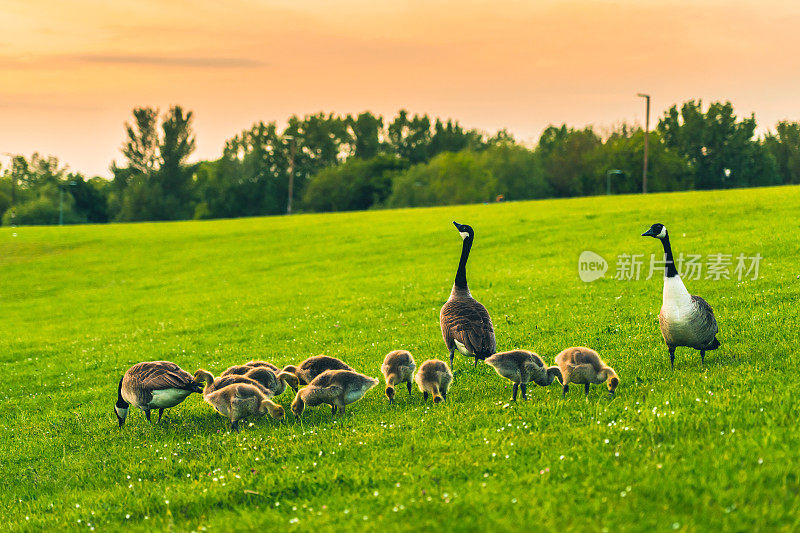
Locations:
{"points": [[167, 61]]}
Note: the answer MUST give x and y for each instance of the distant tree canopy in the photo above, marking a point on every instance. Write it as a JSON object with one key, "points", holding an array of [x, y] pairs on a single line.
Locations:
{"points": [[340, 163]]}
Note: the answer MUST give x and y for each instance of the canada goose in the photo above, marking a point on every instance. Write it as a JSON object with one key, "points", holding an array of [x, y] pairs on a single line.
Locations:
{"points": [[336, 388], [465, 323], [305, 372], [434, 377], [685, 319], [276, 385], [153, 385], [261, 377], [398, 367], [241, 400], [583, 365], [521, 367], [257, 363]]}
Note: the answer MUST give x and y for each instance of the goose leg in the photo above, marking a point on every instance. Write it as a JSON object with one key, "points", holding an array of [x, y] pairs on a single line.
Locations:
{"points": [[475, 365], [565, 390], [702, 357], [147, 414], [444, 395], [586, 389], [160, 412], [672, 357], [333, 410], [235, 426], [408, 385], [524, 391], [341, 409], [451, 357], [425, 396], [514, 392]]}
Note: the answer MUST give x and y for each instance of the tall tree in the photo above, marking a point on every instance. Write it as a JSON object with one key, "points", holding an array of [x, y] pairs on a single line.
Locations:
{"points": [[784, 145], [721, 150], [141, 146]]}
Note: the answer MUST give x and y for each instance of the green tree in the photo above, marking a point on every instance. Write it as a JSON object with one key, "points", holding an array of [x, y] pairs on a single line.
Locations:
{"points": [[365, 131], [516, 171], [568, 159], [721, 151], [356, 184], [410, 139], [784, 146]]}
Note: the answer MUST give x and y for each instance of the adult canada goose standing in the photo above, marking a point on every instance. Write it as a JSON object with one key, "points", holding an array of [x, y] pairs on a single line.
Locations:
{"points": [[685, 319], [583, 365], [336, 388], [398, 367], [521, 367], [153, 385], [465, 323], [305, 372]]}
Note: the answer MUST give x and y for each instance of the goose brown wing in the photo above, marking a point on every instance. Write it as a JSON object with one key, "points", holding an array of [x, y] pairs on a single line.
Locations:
{"points": [[468, 322], [167, 375]]}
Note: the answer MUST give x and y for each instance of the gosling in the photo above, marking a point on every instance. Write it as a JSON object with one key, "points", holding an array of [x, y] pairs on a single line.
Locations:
{"points": [[398, 367], [242, 400], [521, 367], [305, 372], [262, 378], [434, 378], [336, 388], [583, 365]]}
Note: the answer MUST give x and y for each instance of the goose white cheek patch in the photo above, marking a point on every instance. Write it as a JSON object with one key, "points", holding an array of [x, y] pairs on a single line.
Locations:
{"points": [[663, 232], [464, 234]]}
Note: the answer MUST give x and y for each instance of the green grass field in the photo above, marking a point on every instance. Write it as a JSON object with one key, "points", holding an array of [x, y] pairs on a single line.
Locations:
{"points": [[697, 449]]}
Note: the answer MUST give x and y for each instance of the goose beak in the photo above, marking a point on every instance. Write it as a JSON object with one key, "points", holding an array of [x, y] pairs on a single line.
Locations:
{"points": [[456, 224], [648, 233]]}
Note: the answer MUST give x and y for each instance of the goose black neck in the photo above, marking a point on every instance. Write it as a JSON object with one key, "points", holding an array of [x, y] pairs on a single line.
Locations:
{"points": [[121, 403], [461, 273], [669, 268]]}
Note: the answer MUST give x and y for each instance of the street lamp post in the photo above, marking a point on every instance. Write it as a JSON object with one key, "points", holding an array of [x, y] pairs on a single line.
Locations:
{"points": [[13, 177], [646, 135], [61, 202]]}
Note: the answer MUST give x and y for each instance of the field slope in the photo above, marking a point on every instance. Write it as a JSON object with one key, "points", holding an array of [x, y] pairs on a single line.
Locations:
{"points": [[697, 449]]}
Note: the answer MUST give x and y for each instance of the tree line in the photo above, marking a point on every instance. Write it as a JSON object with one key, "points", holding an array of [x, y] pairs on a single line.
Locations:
{"points": [[341, 163]]}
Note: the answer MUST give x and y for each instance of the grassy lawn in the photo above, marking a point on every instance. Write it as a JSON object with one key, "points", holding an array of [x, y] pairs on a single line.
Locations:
{"points": [[697, 449]]}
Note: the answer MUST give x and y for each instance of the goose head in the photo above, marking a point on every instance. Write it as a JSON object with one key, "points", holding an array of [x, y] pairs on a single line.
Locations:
{"points": [[390, 393], [657, 231], [298, 405], [465, 231]]}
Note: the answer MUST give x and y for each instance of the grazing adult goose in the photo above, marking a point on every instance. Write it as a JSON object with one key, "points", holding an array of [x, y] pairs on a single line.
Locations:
{"points": [[305, 372], [336, 388], [580, 364], [521, 367], [153, 385], [685, 319], [434, 378], [465, 323], [242, 400], [398, 367]]}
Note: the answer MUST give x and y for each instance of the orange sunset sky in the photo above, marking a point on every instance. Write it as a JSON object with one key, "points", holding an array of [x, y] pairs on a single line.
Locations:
{"points": [[71, 71]]}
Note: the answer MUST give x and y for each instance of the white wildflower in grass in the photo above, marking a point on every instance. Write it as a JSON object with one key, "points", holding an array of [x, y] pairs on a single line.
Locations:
{"points": [[294, 520]]}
